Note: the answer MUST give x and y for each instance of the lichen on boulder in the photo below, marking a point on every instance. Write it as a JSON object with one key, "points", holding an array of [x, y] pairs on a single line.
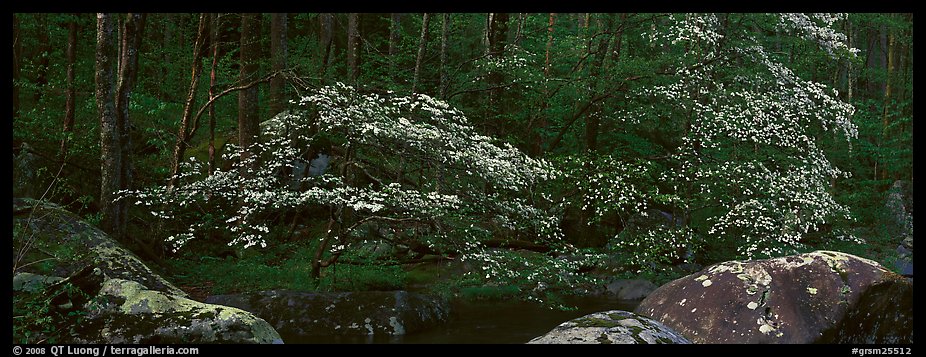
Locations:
{"points": [[127, 312], [617, 327], [818, 297], [75, 244], [109, 295]]}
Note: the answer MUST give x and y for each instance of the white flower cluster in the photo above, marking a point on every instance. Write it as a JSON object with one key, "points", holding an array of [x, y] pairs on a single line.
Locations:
{"points": [[381, 136], [751, 145], [819, 29]]}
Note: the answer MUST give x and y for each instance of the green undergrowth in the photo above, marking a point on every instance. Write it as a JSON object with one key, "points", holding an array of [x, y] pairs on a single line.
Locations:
{"points": [[285, 266]]}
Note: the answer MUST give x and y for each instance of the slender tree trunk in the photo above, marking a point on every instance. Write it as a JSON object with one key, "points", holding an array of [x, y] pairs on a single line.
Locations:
{"points": [[213, 41], [353, 46], [850, 72], [445, 31], [17, 57], [111, 164], [278, 52], [184, 134], [422, 45], [327, 24], [394, 26], [497, 35], [41, 79], [888, 92], [537, 147], [69, 94], [248, 128], [520, 29], [593, 120]]}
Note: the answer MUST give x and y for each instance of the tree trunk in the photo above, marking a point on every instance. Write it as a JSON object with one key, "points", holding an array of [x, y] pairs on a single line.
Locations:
{"points": [[519, 31], [394, 27], [497, 35], [326, 21], [278, 52], [128, 73], [850, 72], [41, 80], [445, 31], [69, 94], [353, 47], [111, 164], [184, 134], [17, 57], [422, 45], [888, 91], [213, 41], [248, 126], [593, 120], [537, 142]]}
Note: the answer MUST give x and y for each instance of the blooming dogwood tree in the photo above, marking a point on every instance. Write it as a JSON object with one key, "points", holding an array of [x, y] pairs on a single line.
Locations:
{"points": [[748, 151], [409, 163]]}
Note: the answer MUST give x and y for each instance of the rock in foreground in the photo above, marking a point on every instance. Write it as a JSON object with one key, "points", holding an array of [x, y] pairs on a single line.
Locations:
{"points": [[609, 327], [109, 295], [819, 297]]}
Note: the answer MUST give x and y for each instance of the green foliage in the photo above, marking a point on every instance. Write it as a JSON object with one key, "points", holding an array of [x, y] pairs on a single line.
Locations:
{"points": [[37, 320]]}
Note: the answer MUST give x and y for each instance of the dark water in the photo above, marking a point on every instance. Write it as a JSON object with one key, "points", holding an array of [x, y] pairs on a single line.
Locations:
{"points": [[490, 322]]}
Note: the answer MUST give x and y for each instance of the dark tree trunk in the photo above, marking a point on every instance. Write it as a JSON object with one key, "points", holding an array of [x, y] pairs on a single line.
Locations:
{"points": [[214, 42], [17, 57], [41, 79], [69, 94], [497, 35], [128, 73], [537, 147], [248, 128], [394, 26], [278, 52], [186, 130], [422, 46], [111, 164], [445, 32], [327, 25], [353, 47], [593, 120]]}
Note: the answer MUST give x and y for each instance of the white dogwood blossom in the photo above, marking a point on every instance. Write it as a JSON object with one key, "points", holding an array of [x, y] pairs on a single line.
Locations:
{"points": [[751, 150], [393, 160]]}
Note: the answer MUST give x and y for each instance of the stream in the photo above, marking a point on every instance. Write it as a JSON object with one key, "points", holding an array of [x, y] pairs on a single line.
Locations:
{"points": [[489, 322]]}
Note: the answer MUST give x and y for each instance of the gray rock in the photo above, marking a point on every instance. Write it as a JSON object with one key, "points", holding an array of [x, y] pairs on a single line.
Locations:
{"points": [[611, 327], [109, 286], [79, 244], [31, 283], [296, 314], [818, 297], [631, 289], [127, 312]]}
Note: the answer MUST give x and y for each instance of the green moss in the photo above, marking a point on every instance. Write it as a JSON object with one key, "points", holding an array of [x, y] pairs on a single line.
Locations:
{"points": [[595, 322]]}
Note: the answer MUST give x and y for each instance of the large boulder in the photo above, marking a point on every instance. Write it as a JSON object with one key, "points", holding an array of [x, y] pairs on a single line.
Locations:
{"points": [[296, 314], [46, 228], [818, 297], [609, 327], [106, 296], [127, 312]]}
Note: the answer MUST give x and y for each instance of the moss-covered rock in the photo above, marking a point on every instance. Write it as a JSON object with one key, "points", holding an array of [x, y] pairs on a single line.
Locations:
{"points": [[127, 312], [63, 244], [295, 314], [823, 296], [106, 297], [619, 327]]}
